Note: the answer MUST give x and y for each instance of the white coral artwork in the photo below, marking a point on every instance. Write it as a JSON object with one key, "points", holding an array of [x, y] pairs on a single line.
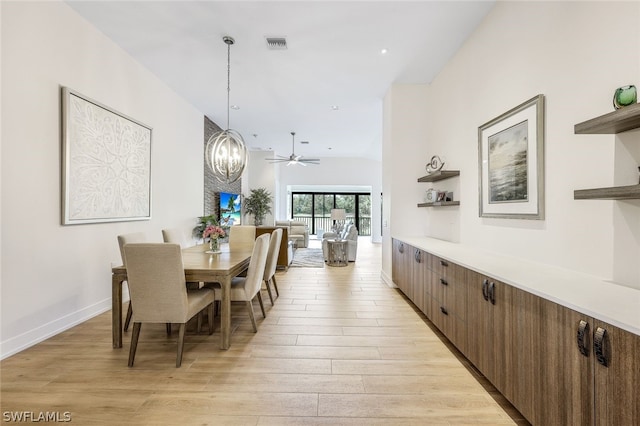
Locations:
{"points": [[107, 164]]}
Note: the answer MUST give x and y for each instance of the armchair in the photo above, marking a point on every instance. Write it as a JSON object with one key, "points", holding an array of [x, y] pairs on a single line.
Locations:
{"points": [[349, 234]]}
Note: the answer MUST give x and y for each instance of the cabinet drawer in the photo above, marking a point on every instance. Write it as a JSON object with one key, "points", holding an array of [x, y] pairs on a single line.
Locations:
{"points": [[438, 265]]}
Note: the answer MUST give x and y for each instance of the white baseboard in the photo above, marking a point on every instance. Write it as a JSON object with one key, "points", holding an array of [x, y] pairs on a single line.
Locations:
{"points": [[387, 279], [25, 340]]}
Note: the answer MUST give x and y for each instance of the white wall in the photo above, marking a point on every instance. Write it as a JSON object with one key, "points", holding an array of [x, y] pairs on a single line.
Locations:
{"points": [[334, 171], [260, 174], [576, 54], [55, 276], [405, 125]]}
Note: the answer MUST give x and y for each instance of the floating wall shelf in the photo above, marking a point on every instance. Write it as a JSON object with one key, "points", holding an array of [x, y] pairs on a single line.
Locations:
{"points": [[618, 121], [440, 175], [440, 204], [630, 192]]}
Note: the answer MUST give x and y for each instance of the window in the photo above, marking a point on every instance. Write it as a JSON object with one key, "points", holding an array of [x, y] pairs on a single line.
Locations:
{"points": [[314, 208]]}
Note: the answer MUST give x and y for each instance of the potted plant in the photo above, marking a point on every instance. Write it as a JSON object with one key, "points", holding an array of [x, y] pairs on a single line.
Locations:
{"points": [[203, 222], [258, 204]]}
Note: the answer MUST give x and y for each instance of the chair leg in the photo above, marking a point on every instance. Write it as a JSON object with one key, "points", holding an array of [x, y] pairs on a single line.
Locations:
{"points": [[275, 285], [168, 329], [127, 320], [252, 316], [180, 344], [199, 325], [264, 314], [134, 342], [266, 283], [211, 315]]}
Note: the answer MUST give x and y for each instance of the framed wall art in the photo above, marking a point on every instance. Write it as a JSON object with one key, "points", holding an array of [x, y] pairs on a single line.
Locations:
{"points": [[511, 163], [106, 163]]}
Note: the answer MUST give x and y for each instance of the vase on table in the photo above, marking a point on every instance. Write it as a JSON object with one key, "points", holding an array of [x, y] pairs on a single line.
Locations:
{"points": [[214, 244]]}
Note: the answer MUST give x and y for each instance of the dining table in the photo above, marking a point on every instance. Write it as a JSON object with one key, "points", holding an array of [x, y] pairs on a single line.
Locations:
{"points": [[200, 265]]}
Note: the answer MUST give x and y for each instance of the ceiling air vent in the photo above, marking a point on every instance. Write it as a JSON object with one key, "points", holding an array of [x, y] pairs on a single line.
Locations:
{"points": [[276, 43]]}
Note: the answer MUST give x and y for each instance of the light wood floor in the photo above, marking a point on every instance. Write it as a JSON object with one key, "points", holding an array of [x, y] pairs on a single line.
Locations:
{"points": [[338, 348]]}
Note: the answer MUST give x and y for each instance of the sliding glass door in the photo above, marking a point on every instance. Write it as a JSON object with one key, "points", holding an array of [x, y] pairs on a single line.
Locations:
{"points": [[314, 208]]}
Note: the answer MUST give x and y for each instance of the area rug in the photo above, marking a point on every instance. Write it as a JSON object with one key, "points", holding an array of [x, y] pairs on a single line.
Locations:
{"points": [[307, 258]]}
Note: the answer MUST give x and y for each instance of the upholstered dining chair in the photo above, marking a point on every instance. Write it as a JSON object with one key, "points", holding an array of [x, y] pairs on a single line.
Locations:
{"points": [[158, 290], [241, 235], [176, 236], [245, 289], [136, 237], [272, 261]]}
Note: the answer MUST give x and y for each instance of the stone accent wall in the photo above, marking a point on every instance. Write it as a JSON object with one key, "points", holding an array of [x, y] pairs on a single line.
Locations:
{"points": [[212, 186]]}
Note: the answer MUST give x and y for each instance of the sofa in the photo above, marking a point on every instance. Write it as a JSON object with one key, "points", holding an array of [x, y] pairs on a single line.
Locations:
{"points": [[348, 234], [298, 231]]}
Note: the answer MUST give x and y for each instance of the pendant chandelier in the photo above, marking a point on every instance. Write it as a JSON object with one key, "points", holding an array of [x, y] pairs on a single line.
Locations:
{"points": [[226, 151]]}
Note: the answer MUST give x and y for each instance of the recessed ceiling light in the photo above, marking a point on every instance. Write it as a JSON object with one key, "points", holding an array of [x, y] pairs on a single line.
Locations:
{"points": [[329, 148], [383, 51], [335, 107], [234, 107]]}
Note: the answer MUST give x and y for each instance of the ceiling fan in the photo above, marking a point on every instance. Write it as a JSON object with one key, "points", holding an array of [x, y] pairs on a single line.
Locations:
{"points": [[293, 158]]}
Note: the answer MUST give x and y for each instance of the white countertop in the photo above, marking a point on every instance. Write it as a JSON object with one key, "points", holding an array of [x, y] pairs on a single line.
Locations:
{"points": [[603, 300]]}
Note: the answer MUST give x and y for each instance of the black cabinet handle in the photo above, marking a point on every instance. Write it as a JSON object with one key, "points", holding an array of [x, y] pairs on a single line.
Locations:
{"points": [[401, 248], [417, 256], [492, 293], [443, 310], [443, 281], [583, 337], [600, 346], [485, 289], [444, 263]]}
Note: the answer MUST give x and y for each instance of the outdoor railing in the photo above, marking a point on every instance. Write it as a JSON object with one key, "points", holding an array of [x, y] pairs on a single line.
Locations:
{"points": [[326, 224]]}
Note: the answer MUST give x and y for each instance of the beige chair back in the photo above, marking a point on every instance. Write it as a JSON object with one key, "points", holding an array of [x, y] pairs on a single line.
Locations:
{"points": [[156, 282], [176, 236], [241, 236], [258, 261], [272, 255], [136, 237]]}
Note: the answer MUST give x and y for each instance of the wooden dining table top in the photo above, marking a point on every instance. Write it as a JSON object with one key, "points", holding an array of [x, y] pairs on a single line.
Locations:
{"points": [[196, 259]]}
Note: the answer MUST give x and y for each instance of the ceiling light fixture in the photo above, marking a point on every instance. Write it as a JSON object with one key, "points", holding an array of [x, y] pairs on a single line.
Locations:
{"points": [[293, 159], [335, 107], [383, 51], [226, 151]]}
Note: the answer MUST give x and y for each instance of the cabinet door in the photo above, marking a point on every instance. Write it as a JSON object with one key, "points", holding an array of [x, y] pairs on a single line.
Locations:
{"points": [[401, 266], [617, 397], [417, 279], [564, 381], [521, 318], [479, 325]]}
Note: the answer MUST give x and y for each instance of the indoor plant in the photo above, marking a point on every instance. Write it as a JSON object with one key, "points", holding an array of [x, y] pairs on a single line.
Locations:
{"points": [[258, 204], [203, 222]]}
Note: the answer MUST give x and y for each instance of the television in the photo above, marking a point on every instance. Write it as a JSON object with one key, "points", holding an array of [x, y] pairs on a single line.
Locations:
{"points": [[230, 209]]}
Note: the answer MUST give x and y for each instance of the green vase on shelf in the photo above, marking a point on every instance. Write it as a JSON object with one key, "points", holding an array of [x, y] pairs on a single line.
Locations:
{"points": [[624, 96]]}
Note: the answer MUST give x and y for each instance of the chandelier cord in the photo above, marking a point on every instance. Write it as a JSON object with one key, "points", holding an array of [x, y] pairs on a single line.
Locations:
{"points": [[228, 80]]}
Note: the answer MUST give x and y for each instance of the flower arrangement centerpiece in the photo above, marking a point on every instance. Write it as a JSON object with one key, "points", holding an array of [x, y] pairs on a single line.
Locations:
{"points": [[213, 233]]}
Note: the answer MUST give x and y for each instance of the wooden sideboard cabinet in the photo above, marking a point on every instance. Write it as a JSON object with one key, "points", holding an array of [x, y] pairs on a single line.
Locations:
{"points": [[546, 359], [285, 254]]}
